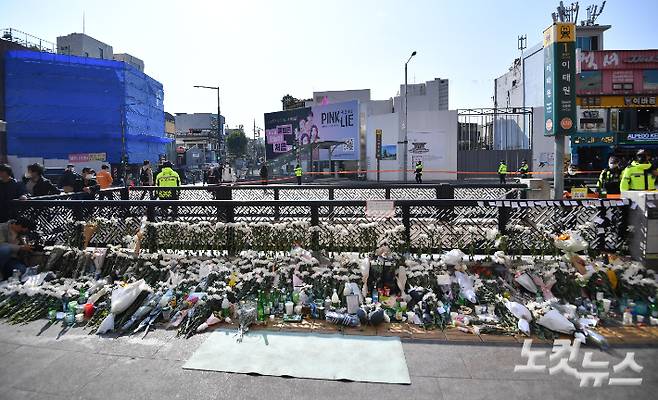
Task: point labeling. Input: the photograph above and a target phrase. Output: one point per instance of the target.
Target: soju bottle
(260, 307)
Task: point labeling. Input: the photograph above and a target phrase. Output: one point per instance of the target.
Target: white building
(428, 96)
(79, 44)
(432, 131)
(523, 86)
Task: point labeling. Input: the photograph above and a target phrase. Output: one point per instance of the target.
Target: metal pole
(406, 143)
(219, 129)
(124, 163)
(558, 174)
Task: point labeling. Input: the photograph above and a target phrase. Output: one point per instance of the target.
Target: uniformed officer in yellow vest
(640, 174)
(298, 174)
(610, 178)
(419, 172)
(167, 178)
(502, 171)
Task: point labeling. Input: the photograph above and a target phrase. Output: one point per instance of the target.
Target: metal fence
(319, 192)
(332, 225)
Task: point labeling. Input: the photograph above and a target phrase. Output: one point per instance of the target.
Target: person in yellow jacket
(167, 178)
(639, 175)
(502, 171)
(298, 174)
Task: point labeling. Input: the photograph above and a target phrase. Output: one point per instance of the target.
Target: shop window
(628, 119)
(647, 120)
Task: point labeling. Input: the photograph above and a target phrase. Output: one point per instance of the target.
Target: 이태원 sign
(560, 79)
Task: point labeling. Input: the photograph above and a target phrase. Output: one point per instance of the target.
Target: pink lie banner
(86, 157)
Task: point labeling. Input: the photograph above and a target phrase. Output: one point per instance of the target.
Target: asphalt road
(81, 366)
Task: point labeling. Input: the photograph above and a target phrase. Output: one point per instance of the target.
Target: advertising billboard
(299, 127)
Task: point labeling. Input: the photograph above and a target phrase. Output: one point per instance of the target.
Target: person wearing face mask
(36, 184)
(86, 186)
(640, 174)
(609, 180)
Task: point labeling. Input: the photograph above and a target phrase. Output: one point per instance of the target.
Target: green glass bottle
(260, 307)
(653, 308)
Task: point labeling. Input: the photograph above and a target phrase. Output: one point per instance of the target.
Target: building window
(100, 52)
(616, 86)
(594, 43)
(650, 79)
(584, 43)
(628, 86)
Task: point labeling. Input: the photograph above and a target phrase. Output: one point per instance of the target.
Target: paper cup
(289, 307)
(606, 305)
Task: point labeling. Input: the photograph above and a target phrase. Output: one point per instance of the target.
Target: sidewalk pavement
(36, 365)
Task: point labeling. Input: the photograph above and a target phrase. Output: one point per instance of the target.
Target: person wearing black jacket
(9, 190)
(86, 187)
(68, 178)
(263, 174)
(36, 184)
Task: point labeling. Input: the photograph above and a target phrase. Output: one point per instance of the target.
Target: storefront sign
(638, 138)
(616, 101)
(625, 76)
(618, 59)
(86, 157)
(560, 79)
(640, 100)
(592, 139)
(592, 120)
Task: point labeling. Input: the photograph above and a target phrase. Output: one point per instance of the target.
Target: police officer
(419, 172)
(640, 174)
(167, 178)
(524, 170)
(610, 178)
(298, 174)
(502, 171)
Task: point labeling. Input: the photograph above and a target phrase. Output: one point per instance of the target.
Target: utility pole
(406, 138)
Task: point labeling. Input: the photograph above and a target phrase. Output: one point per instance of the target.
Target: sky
(258, 51)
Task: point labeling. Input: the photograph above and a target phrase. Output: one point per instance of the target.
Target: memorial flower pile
(131, 290)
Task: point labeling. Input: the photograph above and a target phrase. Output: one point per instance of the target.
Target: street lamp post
(219, 113)
(406, 139)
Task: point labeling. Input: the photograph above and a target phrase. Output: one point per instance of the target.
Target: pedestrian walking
(263, 174)
(298, 174)
(640, 175)
(419, 172)
(146, 178)
(35, 183)
(502, 171)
